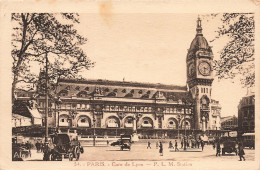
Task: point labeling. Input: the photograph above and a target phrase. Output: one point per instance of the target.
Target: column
(134, 125)
(203, 124)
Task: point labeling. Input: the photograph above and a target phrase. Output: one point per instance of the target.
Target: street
(139, 152)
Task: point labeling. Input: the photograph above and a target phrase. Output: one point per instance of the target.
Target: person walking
(218, 149)
(181, 143)
(149, 145)
(161, 149)
(176, 146)
(241, 152)
(170, 144)
(202, 144)
(37, 145)
(157, 145)
(41, 146)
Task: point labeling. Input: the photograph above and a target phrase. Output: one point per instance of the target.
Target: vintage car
(125, 142)
(62, 146)
(19, 151)
(118, 142)
(229, 146)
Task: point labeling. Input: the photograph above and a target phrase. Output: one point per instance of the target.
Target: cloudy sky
(151, 48)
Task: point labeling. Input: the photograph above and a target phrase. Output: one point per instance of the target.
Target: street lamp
(178, 126)
(45, 157)
(185, 137)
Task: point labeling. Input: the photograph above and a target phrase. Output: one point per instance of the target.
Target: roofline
(124, 83)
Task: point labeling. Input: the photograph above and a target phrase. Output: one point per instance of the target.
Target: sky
(151, 48)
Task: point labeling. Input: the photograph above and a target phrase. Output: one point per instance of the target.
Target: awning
(21, 108)
(35, 113)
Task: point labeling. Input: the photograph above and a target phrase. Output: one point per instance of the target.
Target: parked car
(229, 146)
(118, 142)
(61, 145)
(125, 142)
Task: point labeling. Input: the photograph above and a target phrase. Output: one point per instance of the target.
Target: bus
(248, 140)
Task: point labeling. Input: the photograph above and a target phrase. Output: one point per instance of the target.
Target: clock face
(191, 70)
(204, 68)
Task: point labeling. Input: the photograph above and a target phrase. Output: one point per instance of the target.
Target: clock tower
(200, 77)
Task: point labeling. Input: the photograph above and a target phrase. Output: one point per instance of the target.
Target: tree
(36, 36)
(237, 56)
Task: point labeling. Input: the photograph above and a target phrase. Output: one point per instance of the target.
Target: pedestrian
(170, 144)
(241, 152)
(198, 143)
(181, 143)
(202, 145)
(41, 146)
(218, 149)
(188, 143)
(37, 145)
(176, 146)
(161, 149)
(157, 145)
(149, 145)
(107, 142)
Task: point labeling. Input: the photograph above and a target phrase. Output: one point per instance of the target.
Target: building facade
(229, 123)
(151, 110)
(246, 114)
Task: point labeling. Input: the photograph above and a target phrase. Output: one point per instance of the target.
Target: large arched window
(84, 121)
(129, 123)
(113, 122)
(187, 124)
(172, 123)
(147, 122)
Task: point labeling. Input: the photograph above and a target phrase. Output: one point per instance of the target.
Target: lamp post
(45, 157)
(185, 137)
(178, 126)
(94, 120)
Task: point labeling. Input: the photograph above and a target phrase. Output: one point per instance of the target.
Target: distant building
(246, 114)
(216, 115)
(229, 123)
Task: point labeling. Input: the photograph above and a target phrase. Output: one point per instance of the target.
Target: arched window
(112, 122)
(172, 123)
(63, 93)
(83, 121)
(129, 122)
(82, 94)
(147, 122)
(187, 124)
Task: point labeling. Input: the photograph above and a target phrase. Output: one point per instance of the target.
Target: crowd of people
(39, 146)
(196, 144)
(184, 144)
